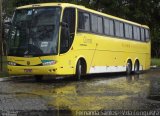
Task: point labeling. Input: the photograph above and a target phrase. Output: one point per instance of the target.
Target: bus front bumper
(35, 70)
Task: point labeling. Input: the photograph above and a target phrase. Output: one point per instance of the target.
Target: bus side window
(94, 23)
(136, 31)
(147, 35)
(142, 35)
(100, 25)
(106, 26)
(121, 27)
(128, 31)
(126, 27)
(68, 29)
(117, 28)
(111, 27)
(83, 21)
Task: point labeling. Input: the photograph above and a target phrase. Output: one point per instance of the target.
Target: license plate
(28, 70)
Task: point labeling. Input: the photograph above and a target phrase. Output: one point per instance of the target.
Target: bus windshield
(34, 32)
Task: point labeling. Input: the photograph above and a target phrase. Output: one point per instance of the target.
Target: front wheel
(79, 70)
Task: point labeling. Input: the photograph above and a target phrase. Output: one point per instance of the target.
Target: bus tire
(136, 67)
(80, 69)
(129, 67)
(38, 78)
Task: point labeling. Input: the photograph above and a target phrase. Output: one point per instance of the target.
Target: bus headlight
(12, 63)
(48, 62)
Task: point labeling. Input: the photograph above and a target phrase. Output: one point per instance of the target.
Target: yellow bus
(68, 39)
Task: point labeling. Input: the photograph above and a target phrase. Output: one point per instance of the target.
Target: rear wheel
(136, 67)
(38, 78)
(129, 67)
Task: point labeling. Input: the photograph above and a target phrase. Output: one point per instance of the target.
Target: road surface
(94, 92)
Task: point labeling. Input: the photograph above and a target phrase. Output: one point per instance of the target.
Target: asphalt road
(65, 96)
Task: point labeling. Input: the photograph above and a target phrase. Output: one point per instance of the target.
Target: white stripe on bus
(103, 69)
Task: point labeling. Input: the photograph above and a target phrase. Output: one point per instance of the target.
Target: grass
(155, 62)
(4, 73)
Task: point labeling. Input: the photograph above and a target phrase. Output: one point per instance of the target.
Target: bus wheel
(136, 67)
(129, 67)
(80, 69)
(38, 78)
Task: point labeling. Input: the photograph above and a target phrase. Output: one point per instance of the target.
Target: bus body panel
(110, 55)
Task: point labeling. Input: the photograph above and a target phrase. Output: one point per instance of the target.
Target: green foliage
(155, 62)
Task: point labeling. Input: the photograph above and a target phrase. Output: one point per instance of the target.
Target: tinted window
(111, 27)
(142, 34)
(128, 31)
(106, 27)
(68, 30)
(121, 30)
(94, 22)
(83, 21)
(69, 18)
(34, 28)
(100, 25)
(136, 31)
(117, 28)
(147, 34)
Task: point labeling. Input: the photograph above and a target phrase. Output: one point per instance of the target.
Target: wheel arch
(136, 60)
(129, 59)
(84, 62)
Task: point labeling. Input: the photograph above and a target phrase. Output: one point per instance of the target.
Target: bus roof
(82, 8)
